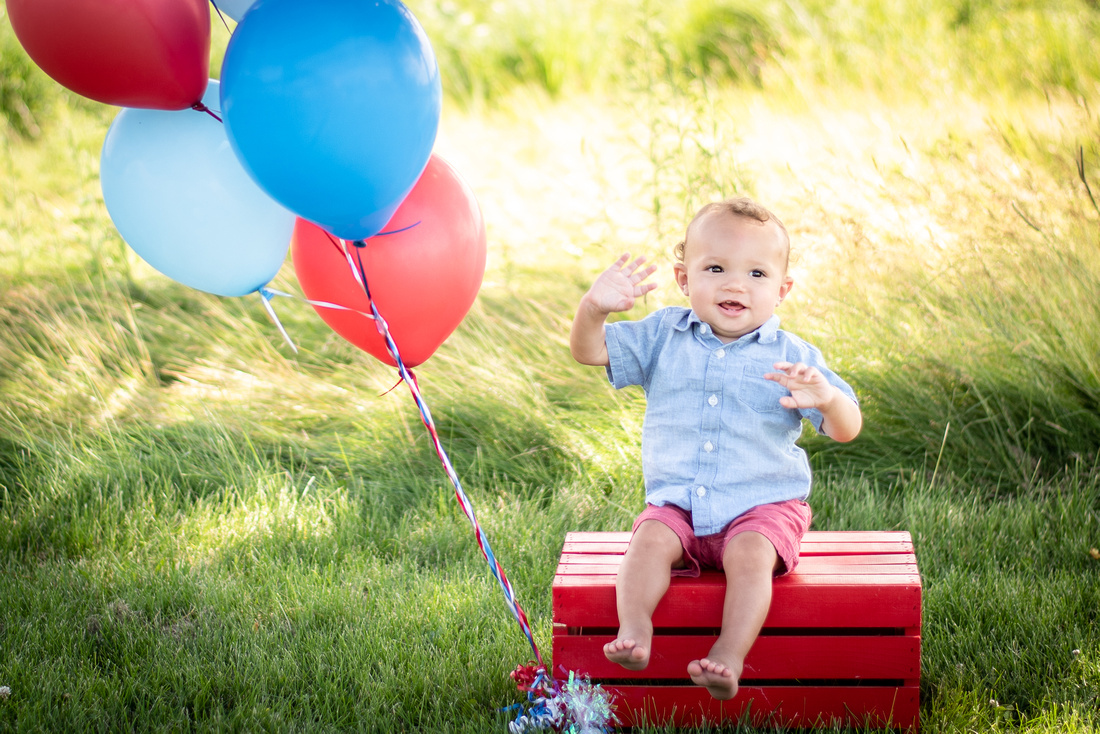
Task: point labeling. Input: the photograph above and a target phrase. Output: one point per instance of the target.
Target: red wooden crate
(841, 642)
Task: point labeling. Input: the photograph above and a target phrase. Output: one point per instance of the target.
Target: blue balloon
(333, 107)
(180, 198)
(235, 9)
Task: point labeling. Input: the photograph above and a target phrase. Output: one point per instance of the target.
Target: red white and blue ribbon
(355, 261)
(574, 705)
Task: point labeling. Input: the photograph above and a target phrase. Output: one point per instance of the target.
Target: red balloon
(153, 54)
(423, 269)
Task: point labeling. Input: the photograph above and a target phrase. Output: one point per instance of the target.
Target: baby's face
(734, 272)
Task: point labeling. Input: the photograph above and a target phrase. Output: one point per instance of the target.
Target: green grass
(201, 530)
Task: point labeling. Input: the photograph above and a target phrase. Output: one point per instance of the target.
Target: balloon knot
(200, 107)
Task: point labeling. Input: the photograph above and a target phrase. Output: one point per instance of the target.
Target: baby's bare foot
(715, 676)
(627, 652)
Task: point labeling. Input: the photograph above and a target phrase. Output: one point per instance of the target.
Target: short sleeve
(632, 347)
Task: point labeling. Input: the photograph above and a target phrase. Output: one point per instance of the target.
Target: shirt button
(713, 400)
(701, 491)
(720, 353)
(708, 447)
(704, 329)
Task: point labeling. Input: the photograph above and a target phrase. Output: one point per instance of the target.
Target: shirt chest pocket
(758, 393)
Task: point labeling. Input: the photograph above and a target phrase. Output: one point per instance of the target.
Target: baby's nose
(734, 283)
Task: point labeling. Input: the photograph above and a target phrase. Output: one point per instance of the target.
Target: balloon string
(200, 107)
(338, 243)
(220, 14)
(398, 231)
(265, 296)
(425, 415)
(271, 293)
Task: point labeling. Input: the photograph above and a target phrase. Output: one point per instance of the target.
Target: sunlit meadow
(203, 530)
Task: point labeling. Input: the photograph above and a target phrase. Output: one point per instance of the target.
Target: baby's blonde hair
(740, 206)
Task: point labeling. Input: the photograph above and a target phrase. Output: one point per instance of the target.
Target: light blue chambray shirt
(715, 439)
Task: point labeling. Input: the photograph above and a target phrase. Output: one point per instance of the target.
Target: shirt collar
(767, 333)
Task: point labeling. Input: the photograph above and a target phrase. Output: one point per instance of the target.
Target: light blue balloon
(333, 107)
(235, 9)
(180, 198)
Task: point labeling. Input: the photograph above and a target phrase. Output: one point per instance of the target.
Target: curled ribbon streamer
(265, 296)
(356, 264)
(574, 705)
(269, 293)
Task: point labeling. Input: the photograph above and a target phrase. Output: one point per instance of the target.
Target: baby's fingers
(792, 370)
(630, 268)
(799, 372)
(618, 264)
(638, 276)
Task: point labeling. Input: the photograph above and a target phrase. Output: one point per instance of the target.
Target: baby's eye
(758, 274)
(714, 269)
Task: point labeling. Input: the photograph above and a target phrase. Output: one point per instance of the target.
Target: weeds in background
(932, 46)
(992, 329)
(486, 50)
(686, 129)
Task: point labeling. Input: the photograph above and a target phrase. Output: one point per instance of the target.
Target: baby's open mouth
(732, 306)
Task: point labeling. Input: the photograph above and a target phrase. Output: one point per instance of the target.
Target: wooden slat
(808, 549)
(814, 543)
(845, 548)
(610, 571)
(770, 706)
(797, 601)
(581, 564)
(884, 562)
(857, 536)
(772, 657)
(608, 546)
(831, 536)
(876, 559)
(581, 536)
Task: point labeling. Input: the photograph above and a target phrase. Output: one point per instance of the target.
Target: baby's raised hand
(809, 388)
(617, 287)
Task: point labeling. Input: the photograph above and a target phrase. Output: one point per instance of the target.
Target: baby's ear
(681, 276)
(785, 288)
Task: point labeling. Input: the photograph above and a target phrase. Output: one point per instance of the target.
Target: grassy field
(202, 531)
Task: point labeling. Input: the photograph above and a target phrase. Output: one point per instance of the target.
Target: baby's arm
(614, 290)
(810, 389)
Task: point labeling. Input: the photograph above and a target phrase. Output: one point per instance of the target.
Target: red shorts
(782, 523)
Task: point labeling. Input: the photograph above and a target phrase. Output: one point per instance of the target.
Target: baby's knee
(654, 537)
(750, 551)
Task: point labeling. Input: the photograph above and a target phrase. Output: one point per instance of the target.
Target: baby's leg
(750, 561)
(643, 579)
